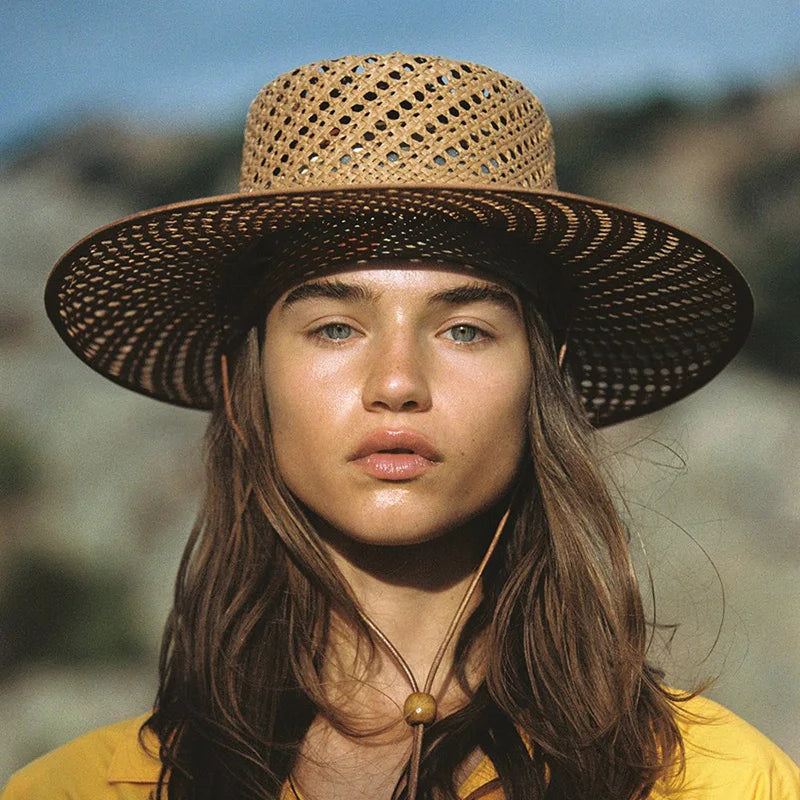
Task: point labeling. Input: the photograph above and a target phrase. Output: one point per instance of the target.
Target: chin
(399, 526)
(395, 535)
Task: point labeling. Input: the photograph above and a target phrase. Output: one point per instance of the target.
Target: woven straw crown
(396, 120)
(412, 158)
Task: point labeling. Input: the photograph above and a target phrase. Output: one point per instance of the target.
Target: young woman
(408, 578)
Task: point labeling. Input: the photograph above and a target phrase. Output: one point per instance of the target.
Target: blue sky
(182, 61)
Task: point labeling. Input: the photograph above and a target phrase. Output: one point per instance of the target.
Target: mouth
(396, 455)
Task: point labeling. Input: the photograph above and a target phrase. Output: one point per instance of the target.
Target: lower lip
(395, 466)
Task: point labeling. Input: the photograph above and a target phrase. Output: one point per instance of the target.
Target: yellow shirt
(726, 759)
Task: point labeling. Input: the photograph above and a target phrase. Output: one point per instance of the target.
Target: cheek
(305, 412)
(498, 424)
(285, 415)
(485, 414)
(494, 398)
(294, 421)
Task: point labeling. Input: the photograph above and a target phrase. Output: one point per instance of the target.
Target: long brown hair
(569, 707)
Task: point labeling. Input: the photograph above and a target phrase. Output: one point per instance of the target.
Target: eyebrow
(477, 293)
(356, 292)
(332, 290)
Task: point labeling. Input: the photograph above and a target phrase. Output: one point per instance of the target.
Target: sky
(201, 62)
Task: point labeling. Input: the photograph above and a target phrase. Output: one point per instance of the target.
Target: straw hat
(409, 158)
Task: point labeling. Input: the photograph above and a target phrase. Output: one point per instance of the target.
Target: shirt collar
(135, 761)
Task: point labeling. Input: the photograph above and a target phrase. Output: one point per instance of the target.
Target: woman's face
(397, 398)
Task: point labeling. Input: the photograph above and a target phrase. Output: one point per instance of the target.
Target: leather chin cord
(419, 708)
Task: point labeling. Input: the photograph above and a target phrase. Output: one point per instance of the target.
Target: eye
(335, 331)
(466, 334)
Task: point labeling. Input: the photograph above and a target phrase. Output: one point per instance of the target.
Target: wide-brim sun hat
(408, 159)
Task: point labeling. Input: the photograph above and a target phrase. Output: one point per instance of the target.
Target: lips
(396, 455)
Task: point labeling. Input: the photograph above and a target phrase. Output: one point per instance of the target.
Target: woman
(408, 578)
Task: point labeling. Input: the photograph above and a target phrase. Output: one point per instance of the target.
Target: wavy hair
(568, 706)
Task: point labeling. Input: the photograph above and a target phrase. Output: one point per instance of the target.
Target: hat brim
(655, 311)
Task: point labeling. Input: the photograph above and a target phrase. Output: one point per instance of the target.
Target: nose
(397, 375)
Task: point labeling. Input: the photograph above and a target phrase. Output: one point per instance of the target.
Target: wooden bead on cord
(419, 708)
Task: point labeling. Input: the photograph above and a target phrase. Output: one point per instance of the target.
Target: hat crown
(396, 119)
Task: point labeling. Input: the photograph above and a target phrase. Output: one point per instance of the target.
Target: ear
(562, 352)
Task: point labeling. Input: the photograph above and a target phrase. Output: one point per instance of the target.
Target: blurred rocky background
(98, 487)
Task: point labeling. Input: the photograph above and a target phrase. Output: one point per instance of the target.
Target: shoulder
(728, 759)
(108, 763)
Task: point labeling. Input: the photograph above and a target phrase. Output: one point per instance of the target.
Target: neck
(411, 593)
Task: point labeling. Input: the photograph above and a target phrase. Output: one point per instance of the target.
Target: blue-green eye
(335, 331)
(464, 333)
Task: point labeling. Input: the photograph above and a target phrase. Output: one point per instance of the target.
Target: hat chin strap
(419, 709)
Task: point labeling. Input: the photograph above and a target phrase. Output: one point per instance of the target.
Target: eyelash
(318, 332)
(481, 335)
